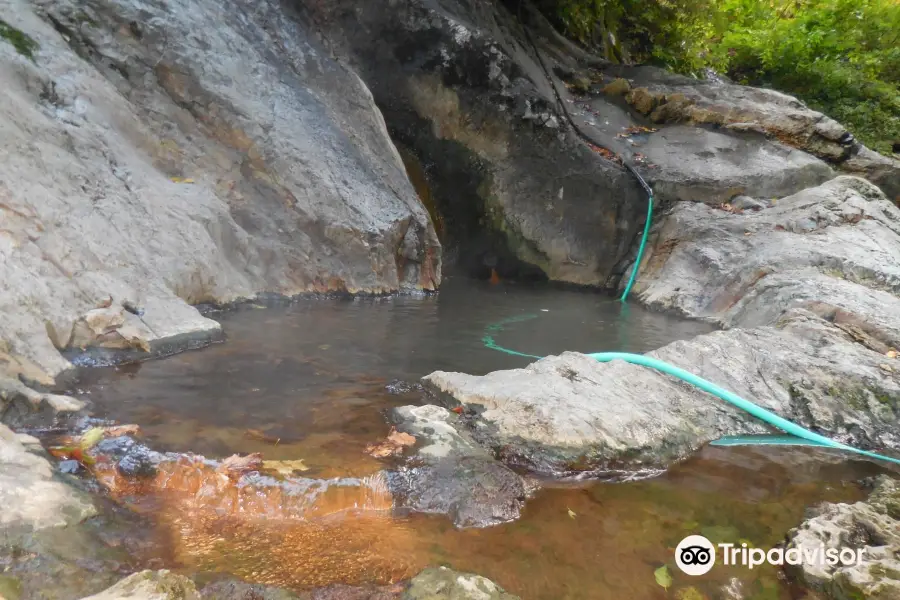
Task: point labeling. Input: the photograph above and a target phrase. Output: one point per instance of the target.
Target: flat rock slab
(570, 414)
(151, 585)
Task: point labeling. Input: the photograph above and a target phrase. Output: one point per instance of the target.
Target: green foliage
(842, 57)
(23, 44)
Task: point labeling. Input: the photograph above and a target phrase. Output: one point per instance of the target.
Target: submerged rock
(873, 527)
(151, 585)
(451, 474)
(442, 583)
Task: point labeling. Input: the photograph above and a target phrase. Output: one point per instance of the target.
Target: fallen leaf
(234, 466)
(181, 180)
(91, 438)
(285, 467)
(256, 434)
(457, 409)
(572, 513)
(120, 430)
(393, 445)
(885, 367)
(891, 353)
(663, 577)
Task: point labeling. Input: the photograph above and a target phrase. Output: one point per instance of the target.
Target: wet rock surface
(446, 584)
(164, 155)
(452, 474)
(873, 527)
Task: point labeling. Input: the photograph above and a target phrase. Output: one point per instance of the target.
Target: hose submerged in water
(755, 410)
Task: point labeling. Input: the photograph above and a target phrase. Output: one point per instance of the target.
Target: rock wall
(159, 154)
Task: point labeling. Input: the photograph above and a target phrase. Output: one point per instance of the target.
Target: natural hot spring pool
(313, 374)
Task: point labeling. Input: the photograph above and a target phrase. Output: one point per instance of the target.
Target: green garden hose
(755, 410)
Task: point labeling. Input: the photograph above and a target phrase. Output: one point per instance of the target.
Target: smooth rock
(451, 474)
(442, 583)
(151, 585)
(31, 498)
(873, 527)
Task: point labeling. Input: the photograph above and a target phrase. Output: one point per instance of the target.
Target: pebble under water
(312, 380)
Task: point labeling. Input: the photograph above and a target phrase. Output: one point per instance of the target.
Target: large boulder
(161, 154)
(872, 527)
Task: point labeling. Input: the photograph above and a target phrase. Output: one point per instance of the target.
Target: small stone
(747, 203)
(70, 467)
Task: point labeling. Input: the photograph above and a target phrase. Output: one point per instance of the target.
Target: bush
(842, 57)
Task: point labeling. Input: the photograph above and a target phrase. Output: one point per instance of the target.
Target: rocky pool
(313, 381)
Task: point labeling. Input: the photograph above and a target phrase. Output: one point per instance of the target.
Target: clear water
(308, 380)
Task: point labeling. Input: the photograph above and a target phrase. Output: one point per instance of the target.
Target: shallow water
(308, 381)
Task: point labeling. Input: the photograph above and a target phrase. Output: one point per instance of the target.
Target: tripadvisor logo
(696, 555)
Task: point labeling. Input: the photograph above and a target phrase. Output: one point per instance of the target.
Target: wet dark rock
(139, 461)
(451, 474)
(442, 583)
(872, 526)
(398, 387)
(23, 407)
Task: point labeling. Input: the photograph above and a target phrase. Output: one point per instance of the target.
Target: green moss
(10, 588)
(23, 44)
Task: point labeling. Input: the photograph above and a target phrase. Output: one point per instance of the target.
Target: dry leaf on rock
(393, 445)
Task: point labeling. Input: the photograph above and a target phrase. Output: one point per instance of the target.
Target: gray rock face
(451, 474)
(151, 585)
(668, 98)
(462, 88)
(158, 154)
(446, 584)
(872, 526)
(837, 244)
(22, 406)
(31, 498)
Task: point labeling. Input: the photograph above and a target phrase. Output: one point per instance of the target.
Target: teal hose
(757, 411)
(640, 254)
